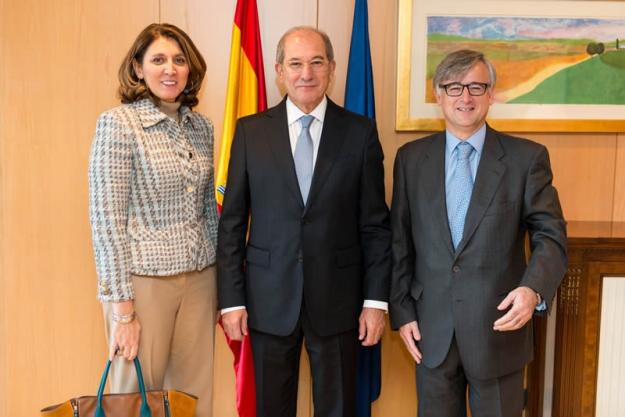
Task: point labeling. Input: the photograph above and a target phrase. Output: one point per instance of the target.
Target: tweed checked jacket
(151, 196)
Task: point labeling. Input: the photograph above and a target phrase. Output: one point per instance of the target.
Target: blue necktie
(303, 156)
(461, 186)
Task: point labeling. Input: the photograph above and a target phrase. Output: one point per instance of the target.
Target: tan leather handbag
(165, 403)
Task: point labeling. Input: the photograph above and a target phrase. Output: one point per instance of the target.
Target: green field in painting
(599, 80)
(440, 45)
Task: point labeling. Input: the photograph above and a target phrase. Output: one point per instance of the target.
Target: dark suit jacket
(342, 235)
(449, 291)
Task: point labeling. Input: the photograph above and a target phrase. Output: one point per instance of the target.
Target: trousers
(177, 316)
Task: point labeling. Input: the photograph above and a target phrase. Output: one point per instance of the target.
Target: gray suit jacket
(456, 292)
(151, 196)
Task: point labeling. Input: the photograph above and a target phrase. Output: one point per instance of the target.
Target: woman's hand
(125, 340)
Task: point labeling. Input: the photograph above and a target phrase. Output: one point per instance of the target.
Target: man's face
(465, 114)
(306, 71)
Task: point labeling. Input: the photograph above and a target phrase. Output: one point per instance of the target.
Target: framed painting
(560, 64)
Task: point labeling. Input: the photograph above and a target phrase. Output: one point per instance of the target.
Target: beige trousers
(177, 316)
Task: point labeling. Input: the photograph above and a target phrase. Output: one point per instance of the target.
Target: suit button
(456, 268)
(300, 259)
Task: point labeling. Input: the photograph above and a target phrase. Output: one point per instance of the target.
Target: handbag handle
(145, 410)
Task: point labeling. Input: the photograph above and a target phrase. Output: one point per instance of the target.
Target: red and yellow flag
(245, 95)
(246, 82)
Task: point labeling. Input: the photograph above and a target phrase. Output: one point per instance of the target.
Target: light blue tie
(303, 156)
(461, 186)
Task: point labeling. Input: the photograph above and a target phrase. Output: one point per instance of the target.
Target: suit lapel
(434, 186)
(331, 142)
(278, 138)
(489, 174)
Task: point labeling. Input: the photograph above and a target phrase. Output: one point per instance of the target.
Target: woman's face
(164, 69)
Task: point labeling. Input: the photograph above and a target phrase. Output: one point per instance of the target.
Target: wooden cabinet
(578, 320)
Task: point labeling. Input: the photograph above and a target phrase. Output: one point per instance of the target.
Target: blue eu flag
(359, 99)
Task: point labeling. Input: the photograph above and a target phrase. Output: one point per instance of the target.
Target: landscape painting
(538, 60)
(560, 64)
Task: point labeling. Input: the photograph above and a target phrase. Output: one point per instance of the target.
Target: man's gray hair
(457, 64)
(324, 37)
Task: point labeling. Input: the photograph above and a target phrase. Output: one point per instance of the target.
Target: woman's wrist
(123, 308)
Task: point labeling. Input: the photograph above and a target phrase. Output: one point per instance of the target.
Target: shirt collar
(150, 115)
(476, 140)
(293, 113)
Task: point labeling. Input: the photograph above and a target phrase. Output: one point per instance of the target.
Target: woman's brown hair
(131, 88)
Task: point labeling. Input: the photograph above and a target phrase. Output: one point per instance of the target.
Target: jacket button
(300, 259)
(190, 189)
(456, 268)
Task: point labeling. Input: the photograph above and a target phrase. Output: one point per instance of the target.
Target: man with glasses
(316, 266)
(462, 293)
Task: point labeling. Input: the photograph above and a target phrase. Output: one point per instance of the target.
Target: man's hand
(410, 334)
(370, 326)
(235, 324)
(523, 301)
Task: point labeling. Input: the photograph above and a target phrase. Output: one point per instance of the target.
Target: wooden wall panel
(619, 181)
(398, 397)
(335, 18)
(3, 248)
(224, 394)
(584, 169)
(58, 67)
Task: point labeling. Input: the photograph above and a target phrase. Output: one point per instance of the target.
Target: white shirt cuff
(229, 309)
(380, 305)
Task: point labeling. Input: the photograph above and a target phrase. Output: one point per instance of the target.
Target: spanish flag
(246, 82)
(245, 95)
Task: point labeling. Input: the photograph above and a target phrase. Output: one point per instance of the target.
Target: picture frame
(415, 113)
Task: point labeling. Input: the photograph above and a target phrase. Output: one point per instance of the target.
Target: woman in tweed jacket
(154, 219)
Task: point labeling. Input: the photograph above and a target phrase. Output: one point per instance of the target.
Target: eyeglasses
(456, 89)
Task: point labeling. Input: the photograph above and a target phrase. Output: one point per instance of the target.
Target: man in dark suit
(462, 293)
(316, 266)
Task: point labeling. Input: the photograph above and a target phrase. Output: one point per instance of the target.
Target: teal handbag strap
(145, 410)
